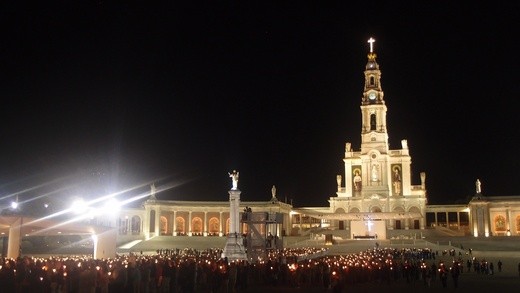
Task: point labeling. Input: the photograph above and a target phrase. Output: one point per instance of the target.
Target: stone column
(422, 220)
(487, 221)
(475, 220)
(509, 222)
(458, 221)
(221, 226)
(189, 224)
(174, 223)
(157, 222)
(145, 223)
(470, 220)
(205, 233)
(170, 224)
(287, 224)
(234, 249)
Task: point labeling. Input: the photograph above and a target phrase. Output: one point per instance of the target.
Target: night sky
(99, 96)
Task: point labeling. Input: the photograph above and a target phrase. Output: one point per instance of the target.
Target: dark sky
(102, 95)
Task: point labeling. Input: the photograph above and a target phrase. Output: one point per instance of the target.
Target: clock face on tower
(372, 96)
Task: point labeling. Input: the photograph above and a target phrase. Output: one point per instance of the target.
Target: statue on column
(478, 185)
(234, 180)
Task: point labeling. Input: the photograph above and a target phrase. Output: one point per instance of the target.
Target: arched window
(164, 226)
(399, 210)
(196, 226)
(181, 227)
(414, 209)
(375, 209)
(500, 223)
(214, 226)
(371, 80)
(136, 225)
(373, 121)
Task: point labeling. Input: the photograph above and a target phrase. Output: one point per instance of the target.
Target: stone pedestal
(15, 239)
(234, 249)
(105, 244)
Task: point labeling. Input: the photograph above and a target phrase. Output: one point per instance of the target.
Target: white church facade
(375, 195)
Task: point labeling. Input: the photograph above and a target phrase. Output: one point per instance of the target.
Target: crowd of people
(192, 270)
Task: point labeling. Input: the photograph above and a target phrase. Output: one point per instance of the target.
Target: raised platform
(365, 237)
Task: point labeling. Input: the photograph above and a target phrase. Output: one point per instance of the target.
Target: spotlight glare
(112, 206)
(79, 206)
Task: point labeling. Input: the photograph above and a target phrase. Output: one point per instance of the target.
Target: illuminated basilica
(375, 198)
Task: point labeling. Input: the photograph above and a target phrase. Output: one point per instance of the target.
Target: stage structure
(263, 232)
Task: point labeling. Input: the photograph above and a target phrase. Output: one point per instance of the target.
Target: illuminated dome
(372, 64)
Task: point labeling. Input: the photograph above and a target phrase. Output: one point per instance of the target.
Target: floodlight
(79, 206)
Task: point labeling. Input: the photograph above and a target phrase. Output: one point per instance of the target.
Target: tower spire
(374, 133)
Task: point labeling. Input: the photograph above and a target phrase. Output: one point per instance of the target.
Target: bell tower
(378, 182)
(368, 171)
(374, 135)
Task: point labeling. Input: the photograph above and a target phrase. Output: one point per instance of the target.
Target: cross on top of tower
(371, 42)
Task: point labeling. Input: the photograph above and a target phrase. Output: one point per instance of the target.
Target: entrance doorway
(398, 224)
(342, 225)
(416, 224)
